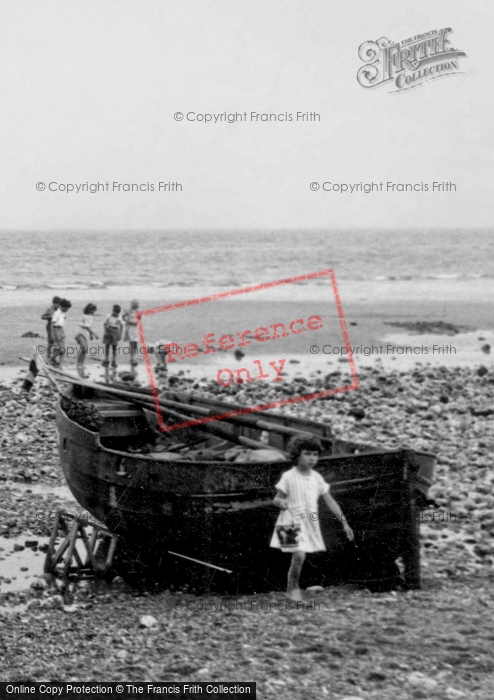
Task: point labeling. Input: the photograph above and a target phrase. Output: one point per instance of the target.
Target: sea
(91, 260)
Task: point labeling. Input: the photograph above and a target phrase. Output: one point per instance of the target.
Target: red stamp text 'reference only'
(212, 343)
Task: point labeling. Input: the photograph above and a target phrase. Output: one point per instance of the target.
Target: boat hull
(222, 514)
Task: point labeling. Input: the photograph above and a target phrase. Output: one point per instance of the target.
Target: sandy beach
(373, 312)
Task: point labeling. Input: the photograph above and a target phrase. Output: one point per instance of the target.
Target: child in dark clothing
(47, 316)
(113, 332)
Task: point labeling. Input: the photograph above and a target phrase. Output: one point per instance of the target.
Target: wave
(223, 259)
(193, 282)
(79, 285)
(410, 278)
(54, 287)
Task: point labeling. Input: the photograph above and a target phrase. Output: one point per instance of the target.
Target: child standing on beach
(161, 350)
(47, 316)
(81, 338)
(297, 495)
(113, 332)
(131, 334)
(58, 332)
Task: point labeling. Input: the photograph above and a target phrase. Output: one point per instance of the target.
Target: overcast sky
(89, 91)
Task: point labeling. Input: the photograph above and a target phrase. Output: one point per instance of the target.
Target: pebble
(28, 440)
(70, 608)
(38, 585)
(421, 681)
(148, 621)
(454, 693)
(358, 413)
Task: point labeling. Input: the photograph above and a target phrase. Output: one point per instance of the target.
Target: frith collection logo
(408, 63)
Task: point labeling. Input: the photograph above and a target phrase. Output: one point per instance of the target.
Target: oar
(247, 420)
(209, 427)
(145, 401)
(168, 405)
(198, 561)
(242, 419)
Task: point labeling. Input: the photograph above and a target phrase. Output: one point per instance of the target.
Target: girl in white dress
(297, 495)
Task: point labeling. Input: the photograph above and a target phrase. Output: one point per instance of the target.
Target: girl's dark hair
(304, 441)
(89, 309)
(65, 304)
(56, 300)
(117, 309)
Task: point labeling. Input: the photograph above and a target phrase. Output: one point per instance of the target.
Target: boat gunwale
(274, 414)
(210, 463)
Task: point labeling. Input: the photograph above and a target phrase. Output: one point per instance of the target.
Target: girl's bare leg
(81, 358)
(294, 572)
(133, 352)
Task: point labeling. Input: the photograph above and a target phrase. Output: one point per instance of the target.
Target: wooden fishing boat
(194, 506)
